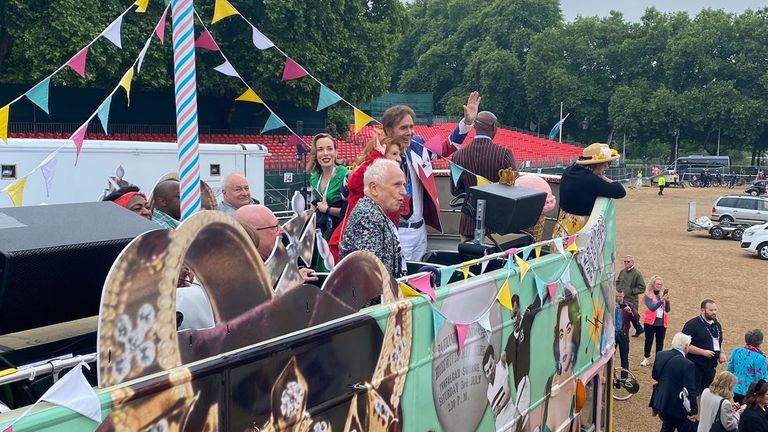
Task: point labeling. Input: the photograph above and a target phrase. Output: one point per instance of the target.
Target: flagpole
(561, 123)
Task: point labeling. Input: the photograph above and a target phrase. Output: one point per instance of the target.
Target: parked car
(740, 209)
(757, 188)
(755, 240)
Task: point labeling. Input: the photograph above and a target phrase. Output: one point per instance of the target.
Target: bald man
(236, 193)
(482, 157)
(166, 209)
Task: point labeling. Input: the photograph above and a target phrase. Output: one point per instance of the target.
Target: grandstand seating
(529, 150)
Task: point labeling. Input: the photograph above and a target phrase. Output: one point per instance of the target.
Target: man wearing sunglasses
(630, 280)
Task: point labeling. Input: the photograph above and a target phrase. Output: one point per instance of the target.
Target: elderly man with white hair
(674, 398)
(236, 193)
(368, 227)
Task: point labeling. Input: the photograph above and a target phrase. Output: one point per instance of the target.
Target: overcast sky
(633, 9)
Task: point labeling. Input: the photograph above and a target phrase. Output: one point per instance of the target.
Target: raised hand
(379, 147)
(471, 108)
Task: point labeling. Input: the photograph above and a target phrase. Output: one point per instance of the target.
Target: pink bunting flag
(511, 251)
(552, 289)
(435, 144)
(293, 70)
(571, 239)
(295, 140)
(78, 137)
(77, 62)
(205, 41)
(424, 285)
(160, 28)
(461, 334)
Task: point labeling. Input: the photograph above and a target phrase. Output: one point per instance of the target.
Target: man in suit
(481, 157)
(675, 395)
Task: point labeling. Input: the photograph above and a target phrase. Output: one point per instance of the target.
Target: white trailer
(144, 163)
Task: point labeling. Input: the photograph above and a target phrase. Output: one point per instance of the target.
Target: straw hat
(597, 153)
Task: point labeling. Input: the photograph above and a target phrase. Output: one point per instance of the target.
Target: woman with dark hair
(326, 178)
(755, 418)
(748, 364)
(559, 406)
(131, 198)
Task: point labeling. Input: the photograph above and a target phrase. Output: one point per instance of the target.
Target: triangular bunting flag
(15, 190)
(223, 9)
(571, 238)
(537, 251)
(445, 275)
(295, 140)
(526, 253)
(39, 94)
(77, 138)
(552, 290)
(523, 266)
(461, 334)
(141, 6)
(77, 63)
(73, 391)
(435, 144)
(505, 295)
(572, 248)
(511, 251)
(483, 266)
(424, 285)
(142, 54)
(465, 272)
(226, 69)
(160, 28)
(565, 278)
(361, 119)
(205, 41)
(327, 98)
(482, 181)
(103, 113)
(438, 320)
(559, 244)
(485, 321)
(4, 114)
(273, 122)
(456, 172)
(293, 70)
(112, 32)
(540, 286)
(48, 168)
(408, 291)
(250, 96)
(125, 83)
(260, 41)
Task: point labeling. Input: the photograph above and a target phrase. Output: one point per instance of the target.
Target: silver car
(740, 209)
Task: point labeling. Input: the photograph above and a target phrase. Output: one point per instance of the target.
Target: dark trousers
(671, 424)
(661, 190)
(622, 341)
(636, 324)
(651, 332)
(704, 377)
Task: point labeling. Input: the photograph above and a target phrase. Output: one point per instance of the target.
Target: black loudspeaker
(54, 260)
(508, 209)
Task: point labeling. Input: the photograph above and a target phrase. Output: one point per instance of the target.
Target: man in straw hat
(581, 184)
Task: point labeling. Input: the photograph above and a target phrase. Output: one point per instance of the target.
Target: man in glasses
(481, 157)
(630, 280)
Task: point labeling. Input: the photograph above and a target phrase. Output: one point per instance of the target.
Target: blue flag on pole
(556, 128)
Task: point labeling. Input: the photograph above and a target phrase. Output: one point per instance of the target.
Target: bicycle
(624, 388)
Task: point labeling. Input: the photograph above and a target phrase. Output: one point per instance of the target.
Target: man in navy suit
(675, 395)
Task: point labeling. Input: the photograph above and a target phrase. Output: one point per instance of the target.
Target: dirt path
(694, 267)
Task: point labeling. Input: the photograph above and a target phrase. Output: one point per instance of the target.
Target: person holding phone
(656, 318)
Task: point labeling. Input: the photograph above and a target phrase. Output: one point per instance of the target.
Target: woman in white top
(719, 398)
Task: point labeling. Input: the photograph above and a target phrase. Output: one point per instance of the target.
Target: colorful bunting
(482, 181)
(571, 238)
(438, 320)
(461, 334)
(424, 285)
(295, 140)
(511, 251)
(39, 94)
(142, 54)
(260, 41)
(505, 295)
(160, 28)
(226, 69)
(559, 245)
(48, 168)
(540, 286)
(456, 171)
(125, 82)
(141, 6)
(523, 266)
(250, 96)
(537, 251)
(565, 278)
(552, 290)
(408, 291)
(205, 41)
(77, 62)
(465, 272)
(361, 119)
(223, 9)
(483, 266)
(485, 321)
(327, 98)
(572, 248)
(273, 122)
(526, 253)
(15, 190)
(4, 113)
(77, 138)
(103, 112)
(112, 32)
(293, 70)
(445, 275)
(435, 144)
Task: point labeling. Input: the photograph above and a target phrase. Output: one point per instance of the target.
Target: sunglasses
(627, 262)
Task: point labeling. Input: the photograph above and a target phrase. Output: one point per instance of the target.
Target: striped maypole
(186, 105)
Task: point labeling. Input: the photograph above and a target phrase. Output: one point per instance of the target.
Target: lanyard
(714, 324)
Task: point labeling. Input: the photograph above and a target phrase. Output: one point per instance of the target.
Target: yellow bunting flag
(408, 291)
(125, 82)
(537, 251)
(4, 111)
(141, 6)
(250, 96)
(505, 296)
(223, 9)
(15, 190)
(572, 248)
(465, 271)
(523, 266)
(361, 119)
(482, 181)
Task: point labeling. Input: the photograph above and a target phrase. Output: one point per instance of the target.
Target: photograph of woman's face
(565, 339)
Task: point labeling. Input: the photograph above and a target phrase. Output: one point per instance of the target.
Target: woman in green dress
(326, 179)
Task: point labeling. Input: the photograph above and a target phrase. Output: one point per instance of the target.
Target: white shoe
(646, 362)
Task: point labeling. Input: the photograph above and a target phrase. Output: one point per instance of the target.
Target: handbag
(717, 426)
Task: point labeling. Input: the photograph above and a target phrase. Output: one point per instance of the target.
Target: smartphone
(666, 291)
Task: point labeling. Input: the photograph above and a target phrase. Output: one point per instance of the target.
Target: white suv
(755, 240)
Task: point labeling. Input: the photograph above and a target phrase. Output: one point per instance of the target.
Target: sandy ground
(694, 267)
